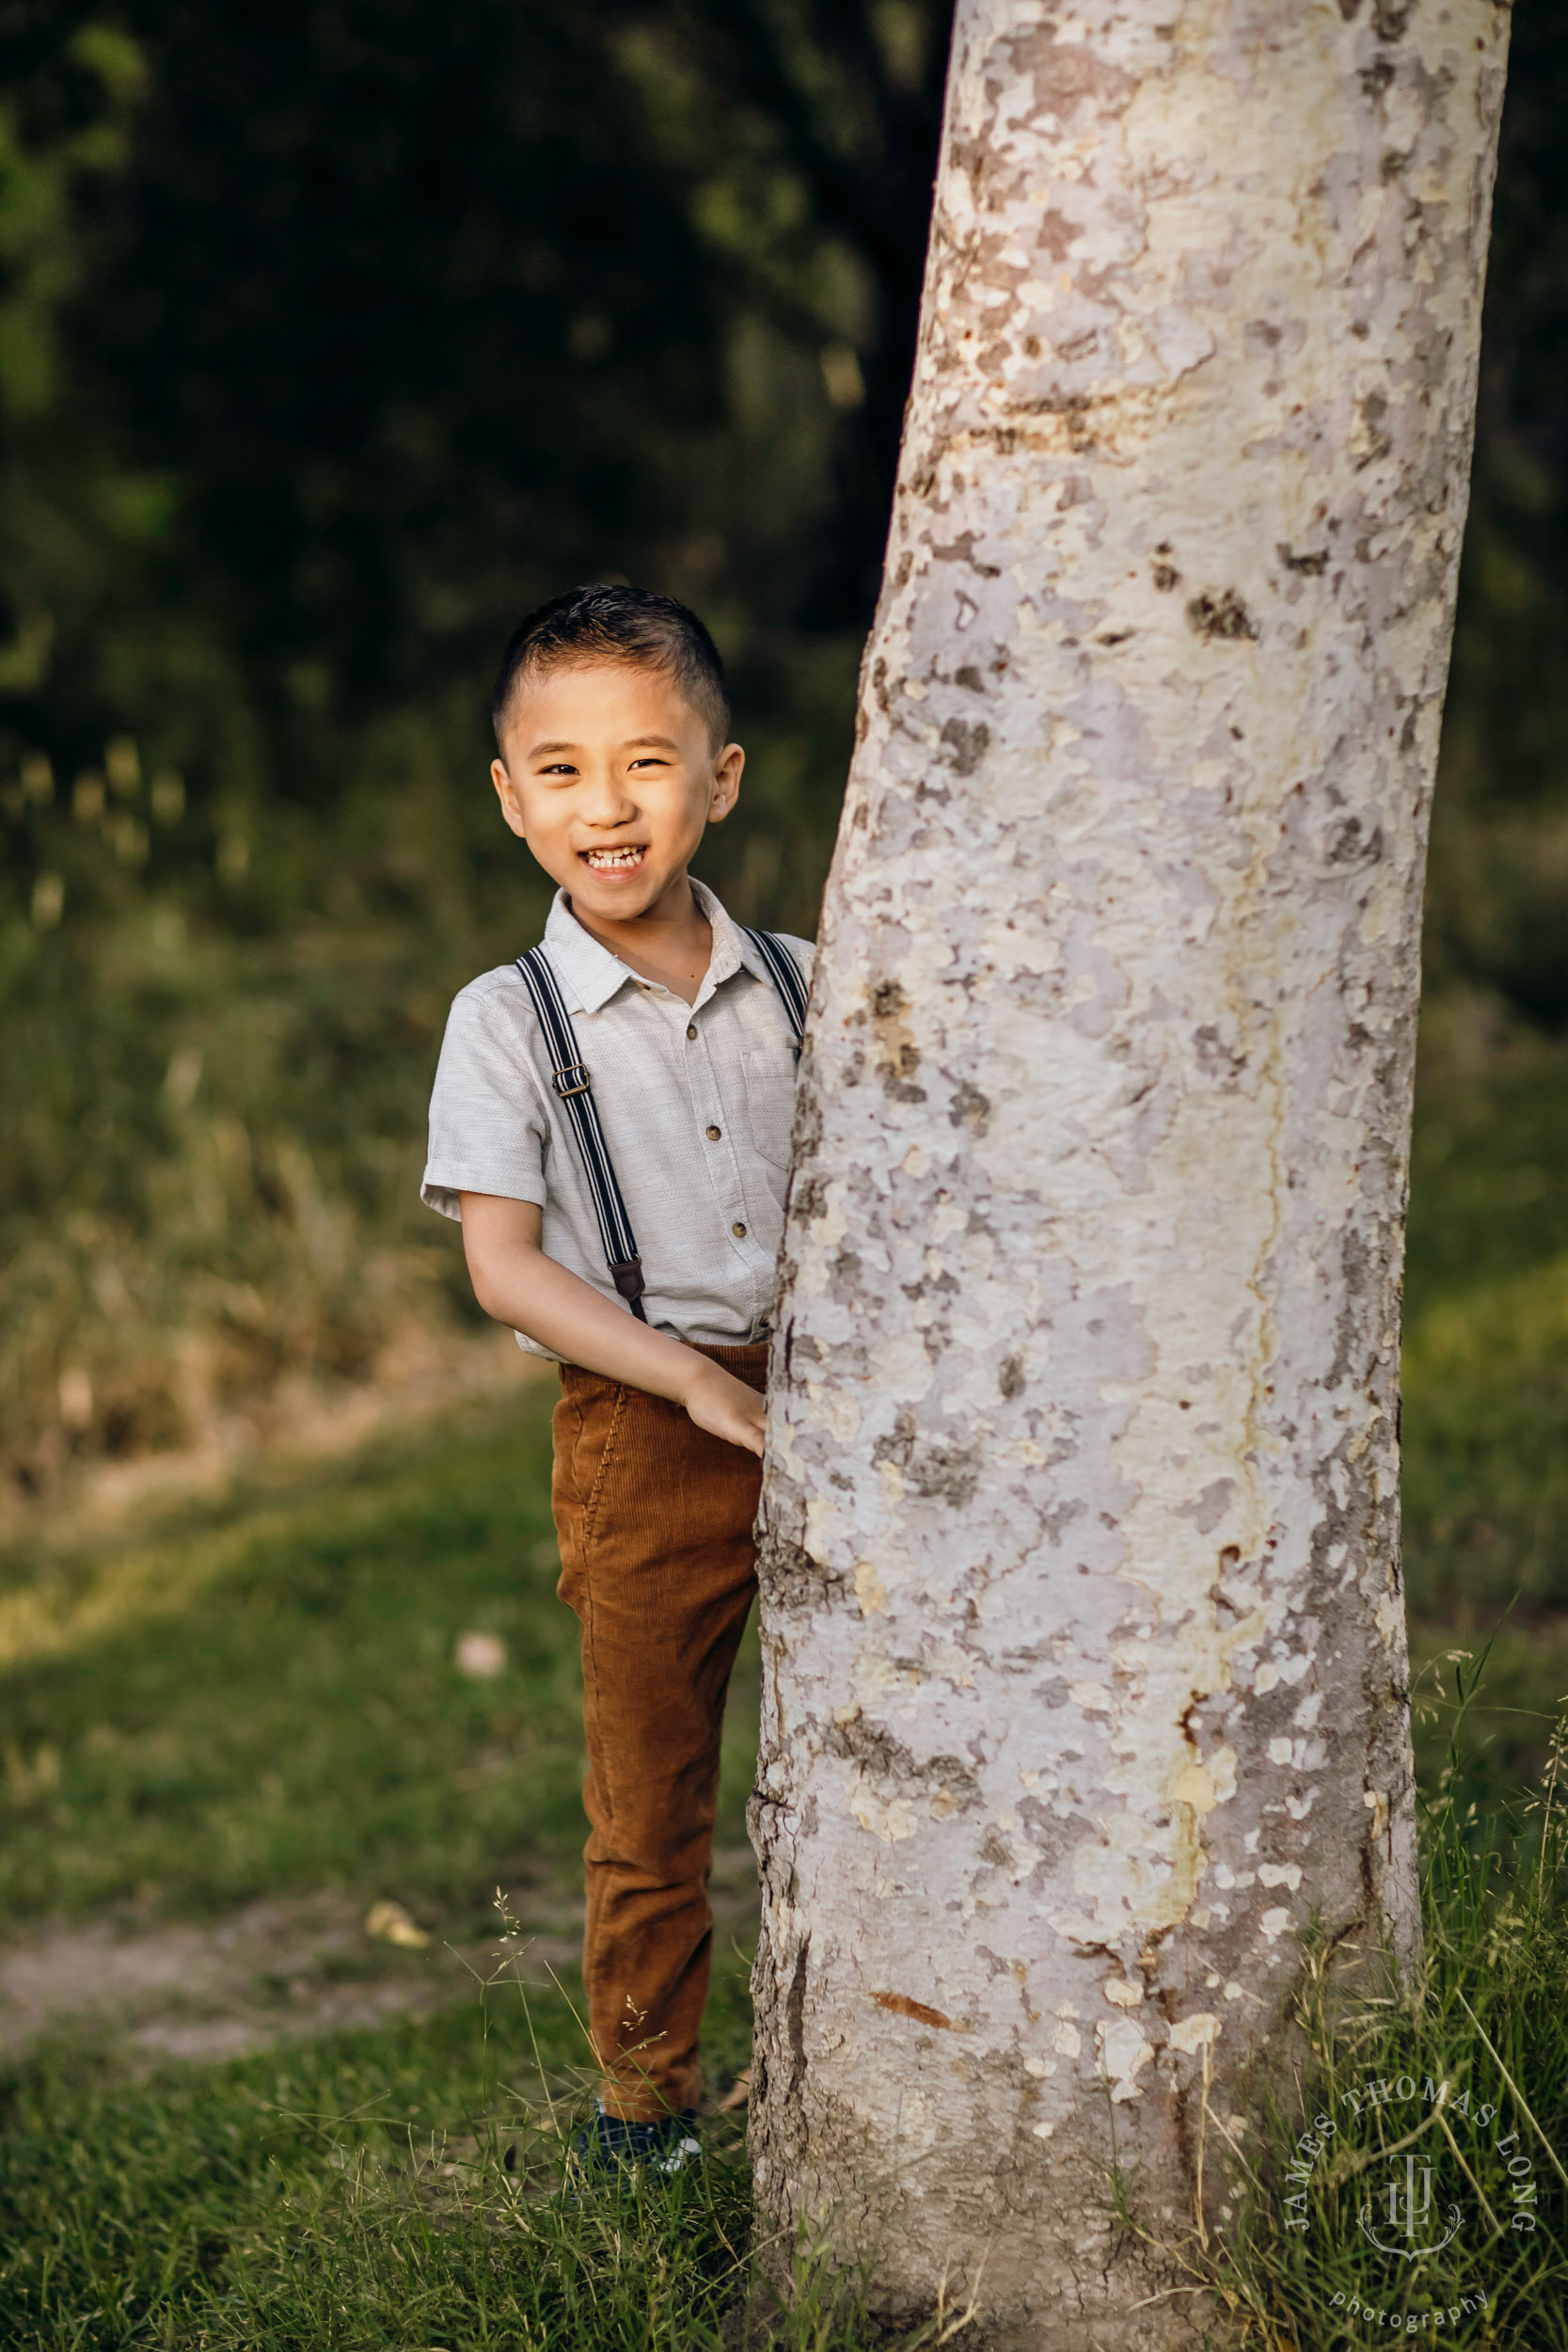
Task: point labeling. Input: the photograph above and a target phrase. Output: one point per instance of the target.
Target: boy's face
(610, 776)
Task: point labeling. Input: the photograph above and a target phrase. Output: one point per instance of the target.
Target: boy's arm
(516, 1282)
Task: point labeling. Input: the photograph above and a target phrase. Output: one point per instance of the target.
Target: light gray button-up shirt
(696, 1103)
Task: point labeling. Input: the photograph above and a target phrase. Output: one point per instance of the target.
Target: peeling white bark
(1086, 1677)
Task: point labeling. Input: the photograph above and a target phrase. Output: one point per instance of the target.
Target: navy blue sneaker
(608, 2145)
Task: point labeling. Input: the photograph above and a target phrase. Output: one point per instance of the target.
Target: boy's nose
(609, 801)
(608, 807)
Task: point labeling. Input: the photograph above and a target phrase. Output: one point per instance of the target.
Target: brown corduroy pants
(654, 1517)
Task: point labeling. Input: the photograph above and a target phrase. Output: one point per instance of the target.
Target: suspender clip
(627, 1278)
(572, 1085)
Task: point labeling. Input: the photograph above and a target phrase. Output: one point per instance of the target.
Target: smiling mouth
(622, 861)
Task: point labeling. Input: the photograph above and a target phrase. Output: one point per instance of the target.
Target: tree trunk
(1085, 1654)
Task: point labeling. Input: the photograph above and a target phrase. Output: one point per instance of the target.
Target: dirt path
(281, 1970)
(293, 1965)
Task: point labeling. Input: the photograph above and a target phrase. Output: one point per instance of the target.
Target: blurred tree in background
(333, 335)
(342, 333)
(1497, 910)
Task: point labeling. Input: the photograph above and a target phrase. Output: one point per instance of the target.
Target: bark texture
(1085, 1652)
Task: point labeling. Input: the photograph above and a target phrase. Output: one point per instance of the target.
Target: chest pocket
(770, 1100)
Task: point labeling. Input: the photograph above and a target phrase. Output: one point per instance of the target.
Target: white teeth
(615, 857)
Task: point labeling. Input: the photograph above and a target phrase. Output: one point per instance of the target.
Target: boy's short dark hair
(629, 624)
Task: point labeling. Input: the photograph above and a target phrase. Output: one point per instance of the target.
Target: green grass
(1462, 2066)
(402, 2189)
(258, 1698)
(413, 2188)
(1486, 1390)
(1487, 1357)
(352, 2193)
(356, 2193)
(265, 1696)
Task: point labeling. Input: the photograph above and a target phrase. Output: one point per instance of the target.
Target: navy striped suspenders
(784, 972)
(575, 1089)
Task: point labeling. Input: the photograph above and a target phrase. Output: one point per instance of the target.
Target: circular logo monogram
(1427, 2187)
(1397, 2220)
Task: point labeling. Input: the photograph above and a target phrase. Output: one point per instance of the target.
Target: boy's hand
(516, 1282)
(724, 1407)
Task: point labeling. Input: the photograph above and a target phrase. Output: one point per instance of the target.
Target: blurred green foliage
(1486, 1406)
(1497, 901)
(331, 336)
(339, 333)
(1487, 1342)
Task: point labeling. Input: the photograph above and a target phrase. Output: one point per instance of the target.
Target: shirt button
(713, 1134)
(691, 1028)
(739, 1231)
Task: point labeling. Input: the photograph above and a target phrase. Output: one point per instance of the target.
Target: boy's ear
(726, 782)
(506, 792)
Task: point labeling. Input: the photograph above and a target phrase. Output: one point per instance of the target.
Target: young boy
(680, 1029)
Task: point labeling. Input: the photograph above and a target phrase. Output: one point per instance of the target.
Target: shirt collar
(590, 974)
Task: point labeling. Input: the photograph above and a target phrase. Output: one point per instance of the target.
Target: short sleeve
(489, 1131)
